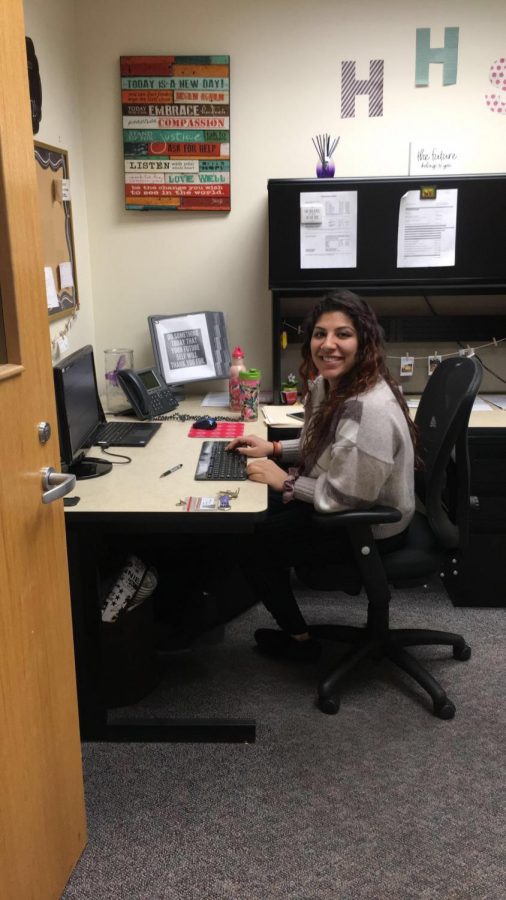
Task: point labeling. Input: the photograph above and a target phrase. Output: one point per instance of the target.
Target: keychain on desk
(224, 498)
(197, 504)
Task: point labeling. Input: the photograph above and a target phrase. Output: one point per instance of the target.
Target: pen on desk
(170, 471)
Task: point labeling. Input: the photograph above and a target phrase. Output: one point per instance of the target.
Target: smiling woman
(356, 450)
(334, 346)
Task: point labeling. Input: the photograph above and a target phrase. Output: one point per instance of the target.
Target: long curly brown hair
(370, 366)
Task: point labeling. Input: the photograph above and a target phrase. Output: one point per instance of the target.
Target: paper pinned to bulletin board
(56, 230)
(176, 132)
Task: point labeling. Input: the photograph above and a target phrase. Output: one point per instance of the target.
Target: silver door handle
(64, 484)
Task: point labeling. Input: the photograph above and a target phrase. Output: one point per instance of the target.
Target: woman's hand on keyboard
(251, 445)
(267, 472)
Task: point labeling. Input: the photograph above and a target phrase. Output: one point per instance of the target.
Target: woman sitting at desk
(356, 450)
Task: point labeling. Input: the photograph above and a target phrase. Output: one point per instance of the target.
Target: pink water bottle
(236, 367)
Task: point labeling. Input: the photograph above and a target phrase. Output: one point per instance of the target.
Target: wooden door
(42, 819)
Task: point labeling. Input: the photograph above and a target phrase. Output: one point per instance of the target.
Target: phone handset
(147, 392)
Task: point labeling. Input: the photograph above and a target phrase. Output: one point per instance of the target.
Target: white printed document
(497, 399)
(328, 230)
(480, 403)
(427, 230)
(283, 415)
(51, 294)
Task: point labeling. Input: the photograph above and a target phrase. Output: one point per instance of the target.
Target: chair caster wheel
(328, 705)
(462, 653)
(445, 709)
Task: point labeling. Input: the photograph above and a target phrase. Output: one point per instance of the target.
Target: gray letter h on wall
(352, 86)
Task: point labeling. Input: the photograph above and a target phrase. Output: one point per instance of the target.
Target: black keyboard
(217, 464)
(111, 431)
(124, 434)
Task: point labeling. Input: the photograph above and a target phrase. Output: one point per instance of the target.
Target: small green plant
(291, 383)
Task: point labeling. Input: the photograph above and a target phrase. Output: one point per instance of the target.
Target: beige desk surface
(138, 488)
(279, 417)
(494, 419)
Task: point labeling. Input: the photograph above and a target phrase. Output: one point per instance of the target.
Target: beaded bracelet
(277, 449)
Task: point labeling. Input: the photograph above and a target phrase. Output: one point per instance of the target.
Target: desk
(478, 580)
(133, 498)
(281, 417)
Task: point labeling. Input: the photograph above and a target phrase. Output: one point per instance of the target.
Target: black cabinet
(478, 577)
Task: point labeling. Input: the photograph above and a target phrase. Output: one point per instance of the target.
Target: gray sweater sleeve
(290, 450)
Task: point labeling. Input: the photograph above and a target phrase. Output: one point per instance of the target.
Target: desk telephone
(147, 392)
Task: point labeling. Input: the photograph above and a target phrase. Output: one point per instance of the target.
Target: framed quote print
(176, 132)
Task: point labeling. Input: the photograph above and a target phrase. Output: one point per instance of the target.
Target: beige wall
(285, 87)
(51, 24)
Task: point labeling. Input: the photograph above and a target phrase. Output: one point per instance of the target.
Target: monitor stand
(90, 467)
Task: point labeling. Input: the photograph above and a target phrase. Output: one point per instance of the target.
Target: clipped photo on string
(433, 362)
(407, 366)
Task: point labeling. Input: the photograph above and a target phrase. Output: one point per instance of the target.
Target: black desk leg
(160, 730)
(93, 714)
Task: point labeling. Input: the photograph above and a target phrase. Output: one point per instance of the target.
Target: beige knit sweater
(368, 461)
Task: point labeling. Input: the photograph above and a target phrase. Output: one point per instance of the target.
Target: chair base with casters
(376, 640)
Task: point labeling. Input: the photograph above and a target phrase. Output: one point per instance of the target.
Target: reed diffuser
(325, 146)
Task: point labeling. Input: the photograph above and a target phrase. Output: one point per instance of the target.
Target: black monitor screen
(78, 403)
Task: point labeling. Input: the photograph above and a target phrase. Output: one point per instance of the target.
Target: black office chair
(437, 534)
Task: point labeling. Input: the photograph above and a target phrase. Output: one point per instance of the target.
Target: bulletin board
(176, 132)
(56, 230)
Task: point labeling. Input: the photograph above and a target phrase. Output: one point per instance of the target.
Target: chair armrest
(375, 516)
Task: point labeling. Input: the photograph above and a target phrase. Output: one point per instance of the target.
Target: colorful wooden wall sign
(176, 137)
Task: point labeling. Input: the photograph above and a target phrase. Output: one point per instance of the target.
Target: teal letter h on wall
(425, 54)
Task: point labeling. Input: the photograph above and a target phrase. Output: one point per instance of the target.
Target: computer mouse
(206, 423)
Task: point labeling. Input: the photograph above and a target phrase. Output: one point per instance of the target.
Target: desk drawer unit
(481, 573)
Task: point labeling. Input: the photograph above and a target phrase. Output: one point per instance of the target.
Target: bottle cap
(238, 353)
(250, 375)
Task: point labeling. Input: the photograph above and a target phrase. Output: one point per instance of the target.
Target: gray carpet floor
(380, 801)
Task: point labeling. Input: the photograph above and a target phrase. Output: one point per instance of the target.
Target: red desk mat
(223, 430)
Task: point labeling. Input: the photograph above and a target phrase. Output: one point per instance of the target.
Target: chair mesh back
(442, 418)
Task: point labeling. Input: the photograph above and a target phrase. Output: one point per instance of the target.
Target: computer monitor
(79, 412)
(190, 347)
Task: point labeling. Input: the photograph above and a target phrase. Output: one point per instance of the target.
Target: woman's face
(334, 346)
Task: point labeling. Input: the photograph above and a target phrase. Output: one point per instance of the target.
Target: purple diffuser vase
(325, 169)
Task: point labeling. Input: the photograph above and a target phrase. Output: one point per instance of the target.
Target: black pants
(286, 539)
